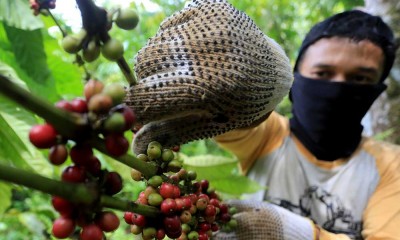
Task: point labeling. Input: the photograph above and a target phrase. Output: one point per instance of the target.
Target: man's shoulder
(386, 154)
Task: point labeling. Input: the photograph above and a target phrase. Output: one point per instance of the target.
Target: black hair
(355, 25)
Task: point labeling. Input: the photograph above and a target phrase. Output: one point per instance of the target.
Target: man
(317, 164)
(210, 70)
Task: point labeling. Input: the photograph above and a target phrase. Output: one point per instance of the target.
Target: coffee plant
(174, 204)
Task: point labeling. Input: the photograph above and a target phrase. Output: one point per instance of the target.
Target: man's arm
(251, 143)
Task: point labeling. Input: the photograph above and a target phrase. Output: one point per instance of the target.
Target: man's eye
(322, 74)
(363, 79)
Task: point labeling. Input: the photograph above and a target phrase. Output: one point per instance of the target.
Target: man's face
(343, 60)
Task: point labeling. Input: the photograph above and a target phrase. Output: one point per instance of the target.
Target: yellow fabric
(382, 215)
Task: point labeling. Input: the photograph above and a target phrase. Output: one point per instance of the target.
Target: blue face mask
(327, 115)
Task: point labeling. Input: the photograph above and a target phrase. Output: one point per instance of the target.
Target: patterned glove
(209, 69)
(265, 221)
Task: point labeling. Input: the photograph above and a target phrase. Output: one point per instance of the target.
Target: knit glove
(265, 221)
(209, 69)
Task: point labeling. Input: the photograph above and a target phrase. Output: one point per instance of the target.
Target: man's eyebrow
(322, 65)
(371, 70)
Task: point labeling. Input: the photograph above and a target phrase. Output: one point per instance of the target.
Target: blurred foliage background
(30, 52)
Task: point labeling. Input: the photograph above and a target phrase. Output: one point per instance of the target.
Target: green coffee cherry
(167, 155)
(155, 181)
(112, 49)
(174, 166)
(71, 44)
(142, 157)
(155, 199)
(127, 19)
(91, 52)
(153, 152)
(115, 122)
(116, 92)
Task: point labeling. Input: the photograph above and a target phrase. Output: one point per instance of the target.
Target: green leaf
(5, 197)
(17, 13)
(29, 54)
(236, 185)
(31, 221)
(15, 124)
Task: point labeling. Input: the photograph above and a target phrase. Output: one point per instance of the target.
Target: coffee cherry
(116, 144)
(58, 154)
(107, 221)
(232, 223)
(91, 52)
(100, 103)
(74, 174)
(153, 152)
(93, 166)
(80, 154)
(63, 227)
(174, 166)
(201, 204)
(167, 190)
(210, 211)
(93, 87)
(193, 235)
(64, 207)
(167, 155)
(113, 183)
(168, 206)
(128, 217)
(192, 175)
(160, 234)
(116, 92)
(91, 232)
(155, 181)
(64, 104)
(203, 236)
(139, 220)
(142, 157)
(71, 44)
(185, 216)
(155, 199)
(112, 49)
(127, 19)
(149, 233)
(149, 190)
(135, 229)
(172, 226)
(136, 175)
(130, 117)
(115, 123)
(79, 105)
(204, 185)
(43, 136)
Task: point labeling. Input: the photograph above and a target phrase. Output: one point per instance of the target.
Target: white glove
(264, 221)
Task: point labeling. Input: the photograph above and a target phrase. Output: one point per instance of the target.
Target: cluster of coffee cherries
(91, 46)
(38, 5)
(190, 209)
(106, 116)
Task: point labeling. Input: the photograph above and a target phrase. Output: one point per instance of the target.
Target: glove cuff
(295, 226)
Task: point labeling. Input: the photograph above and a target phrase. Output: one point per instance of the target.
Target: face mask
(327, 115)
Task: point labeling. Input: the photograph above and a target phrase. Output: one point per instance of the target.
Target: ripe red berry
(79, 105)
(80, 154)
(210, 211)
(43, 136)
(64, 104)
(130, 117)
(113, 183)
(91, 232)
(204, 227)
(64, 207)
(74, 174)
(160, 234)
(58, 154)
(92, 87)
(204, 185)
(93, 166)
(107, 221)
(167, 190)
(172, 226)
(128, 217)
(63, 227)
(138, 220)
(168, 206)
(116, 144)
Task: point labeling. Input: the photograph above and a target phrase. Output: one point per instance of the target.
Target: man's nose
(339, 78)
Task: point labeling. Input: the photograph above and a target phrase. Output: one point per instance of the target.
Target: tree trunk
(383, 118)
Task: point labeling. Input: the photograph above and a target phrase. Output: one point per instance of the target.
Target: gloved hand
(209, 69)
(265, 221)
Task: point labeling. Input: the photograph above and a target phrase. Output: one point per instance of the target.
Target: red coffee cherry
(139, 220)
(116, 144)
(64, 207)
(91, 232)
(79, 105)
(80, 154)
(63, 227)
(167, 190)
(168, 206)
(74, 174)
(107, 221)
(128, 217)
(113, 183)
(43, 136)
(58, 154)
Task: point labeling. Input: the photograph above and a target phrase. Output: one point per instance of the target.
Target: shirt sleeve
(382, 214)
(250, 144)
